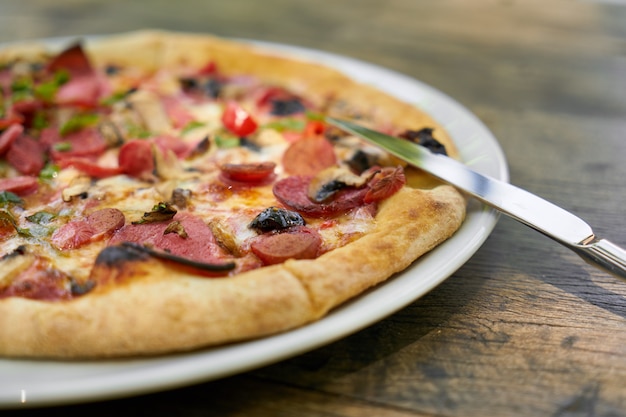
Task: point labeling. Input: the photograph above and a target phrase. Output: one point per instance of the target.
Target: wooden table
(525, 328)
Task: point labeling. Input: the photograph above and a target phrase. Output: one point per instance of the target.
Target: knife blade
(523, 206)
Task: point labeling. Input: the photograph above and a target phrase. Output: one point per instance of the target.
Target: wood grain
(525, 328)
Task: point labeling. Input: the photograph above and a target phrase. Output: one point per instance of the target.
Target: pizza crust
(163, 309)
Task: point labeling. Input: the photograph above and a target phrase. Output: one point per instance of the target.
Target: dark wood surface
(525, 328)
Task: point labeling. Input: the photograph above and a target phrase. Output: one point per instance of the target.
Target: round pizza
(164, 192)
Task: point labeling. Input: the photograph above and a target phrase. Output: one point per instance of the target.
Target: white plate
(40, 383)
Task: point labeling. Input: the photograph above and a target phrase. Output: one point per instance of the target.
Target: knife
(521, 205)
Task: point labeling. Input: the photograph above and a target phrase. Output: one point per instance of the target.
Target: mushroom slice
(78, 188)
(111, 133)
(12, 264)
(225, 237)
(151, 111)
(330, 180)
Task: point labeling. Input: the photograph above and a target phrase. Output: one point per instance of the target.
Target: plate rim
(147, 375)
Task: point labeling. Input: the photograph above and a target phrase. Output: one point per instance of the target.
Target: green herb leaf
(47, 90)
(114, 98)
(49, 172)
(315, 116)
(41, 217)
(62, 146)
(226, 142)
(191, 126)
(78, 122)
(138, 132)
(290, 124)
(7, 197)
(40, 120)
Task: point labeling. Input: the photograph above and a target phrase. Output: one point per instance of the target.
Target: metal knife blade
(541, 215)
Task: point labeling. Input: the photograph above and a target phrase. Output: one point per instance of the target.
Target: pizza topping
(299, 242)
(308, 156)
(176, 227)
(384, 184)
(260, 172)
(326, 183)
(136, 158)
(39, 281)
(206, 86)
(26, 155)
(116, 256)
(204, 266)
(14, 263)
(22, 185)
(276, 218)
(89, 167)
(105, 221)
(237, 120)
(199, 245)
(150, 110)
(293, 193)
(83, 88)
(78, 188)
(361, 161)
(180, 197)
(425, 138)
(72, 235)
(73, 59)
(160, 212)
(83, 142)
(10, 134)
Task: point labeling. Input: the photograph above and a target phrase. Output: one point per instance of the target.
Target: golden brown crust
(164, 310)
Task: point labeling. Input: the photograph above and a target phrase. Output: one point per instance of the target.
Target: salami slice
(297, 243)
(26, 155)
(8, 137)
(21, 186)
(193, 239)
(292, 192)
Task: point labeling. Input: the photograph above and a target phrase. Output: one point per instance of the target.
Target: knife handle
(604, 254)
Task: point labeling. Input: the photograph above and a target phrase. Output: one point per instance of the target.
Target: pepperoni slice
(87, 142)
(297, 243)
(293, 193)
(249, 173)
(72, 235)
(136, 158)
(23, 185)
(9, 135)
(89, 167)
(105, 221)
(308, 156)
(26, 155)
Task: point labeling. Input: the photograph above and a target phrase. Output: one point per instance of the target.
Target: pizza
(164, 192)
